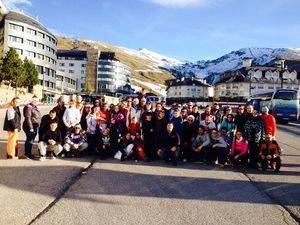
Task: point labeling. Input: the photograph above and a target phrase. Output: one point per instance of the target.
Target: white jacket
(71, 117)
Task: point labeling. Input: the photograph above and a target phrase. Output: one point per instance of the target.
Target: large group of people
(138, 129)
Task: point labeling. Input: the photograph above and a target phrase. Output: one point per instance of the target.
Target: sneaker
(42, 158)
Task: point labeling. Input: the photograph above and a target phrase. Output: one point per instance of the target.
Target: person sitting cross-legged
(198, 149)
(50, 142)
(75, 141)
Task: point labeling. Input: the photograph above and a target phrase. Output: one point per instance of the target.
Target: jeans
(167, 154)
(30, 136)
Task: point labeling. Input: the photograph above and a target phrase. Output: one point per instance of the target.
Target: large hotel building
(33, 41)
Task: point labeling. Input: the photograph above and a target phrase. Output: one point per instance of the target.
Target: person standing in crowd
(160, 124)
(134, 112)
(148, 108)
(32, 120)
(189, 130)
(84, 114)
(177, 122)
(254, 134)
(120, 119)
(71, 116)
(169, 147)
(92, 130)
(269, 121)
(79, 103)
(216, 113)
(207, 112)
(269, 153)
(227, 111)
(184, 114)
(148, 136)
(50, 142)
(240, 119)
(196, 114)
(171, 111)
(46, 121)
(190, 108)
(60, 109)
(76, 141)
(208, 123)
(104, 117)
(228, 123)
(198, 149)
(143, 102)
(239, 150)
(12, 124)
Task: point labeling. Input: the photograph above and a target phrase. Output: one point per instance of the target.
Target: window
(62, 70)
(71, 71)
(31, 54)
(61, 64)
(83, 65)
(39, 69)
(31, 31)
(40, 56)
(47, 83)
(16, 27)
(20, 51)
(31, 43)
(40, 46)
(47, 71)
(286, 95)
(71, 64)
(82, 71)
(41, 35)
(15, 39)
(48, 48)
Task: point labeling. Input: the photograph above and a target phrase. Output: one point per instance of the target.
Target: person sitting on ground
(239, 150)
(170, 145)
(198, 150)
(134, 126)
(224, 134)
(269, 153)
(75, 141)
(50, 142)
(139, 147)
(216, 149)
(125, 148)
(104, 147)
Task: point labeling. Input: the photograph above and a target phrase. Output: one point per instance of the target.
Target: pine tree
(12, 69)
(30, 76)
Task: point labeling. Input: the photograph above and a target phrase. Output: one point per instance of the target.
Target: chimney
(247, 62)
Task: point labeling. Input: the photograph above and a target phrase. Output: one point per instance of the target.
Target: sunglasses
(77, 128)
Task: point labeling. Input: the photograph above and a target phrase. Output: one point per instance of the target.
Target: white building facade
(188, 88)
(71, 73)
(112, 75)
(34, 42)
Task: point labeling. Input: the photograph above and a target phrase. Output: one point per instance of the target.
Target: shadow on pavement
(44, 180)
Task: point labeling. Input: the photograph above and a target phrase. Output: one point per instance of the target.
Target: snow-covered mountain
(234, 60)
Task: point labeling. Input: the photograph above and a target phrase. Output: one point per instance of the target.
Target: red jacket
(134, 128)
(270, 124)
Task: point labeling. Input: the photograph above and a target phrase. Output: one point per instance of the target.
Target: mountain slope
(234, 60)
(146, 65)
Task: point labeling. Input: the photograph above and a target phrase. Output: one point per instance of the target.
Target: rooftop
(23, 18)
(78, 54)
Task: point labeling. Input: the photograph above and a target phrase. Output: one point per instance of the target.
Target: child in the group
(269, 153)
(50, 142)
(239, 150)
(104, 147)
(76, 141)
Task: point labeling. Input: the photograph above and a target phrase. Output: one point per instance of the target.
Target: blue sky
(183, 29)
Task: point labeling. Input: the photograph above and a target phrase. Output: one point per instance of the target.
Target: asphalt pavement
(90, 191)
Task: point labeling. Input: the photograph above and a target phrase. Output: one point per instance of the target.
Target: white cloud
(181, 3)
(13, 4)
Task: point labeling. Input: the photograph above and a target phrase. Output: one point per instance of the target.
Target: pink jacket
(239, 147)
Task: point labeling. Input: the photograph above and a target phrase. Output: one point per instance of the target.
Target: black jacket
(240, 120)
(170, 140)
(12, 119)
(45, 125)
(54, 135)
